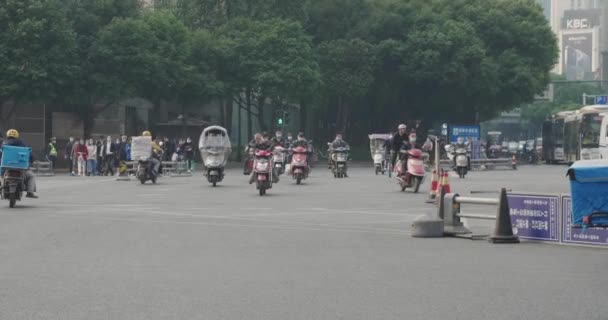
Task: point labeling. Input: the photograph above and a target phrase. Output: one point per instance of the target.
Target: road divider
(519, 215)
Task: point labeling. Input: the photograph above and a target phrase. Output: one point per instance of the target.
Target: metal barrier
(483, 164)
(176, 169)
(449, 210)
(42, 168)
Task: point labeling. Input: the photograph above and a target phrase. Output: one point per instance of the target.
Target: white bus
(583, 132)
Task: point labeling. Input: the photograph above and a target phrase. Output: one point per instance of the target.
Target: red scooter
(299, 164)
(414, 176)
(262, 171)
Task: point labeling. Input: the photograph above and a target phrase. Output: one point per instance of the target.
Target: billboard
(577, 55)
(580, 19)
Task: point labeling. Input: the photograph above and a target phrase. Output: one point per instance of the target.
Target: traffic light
(280, 116)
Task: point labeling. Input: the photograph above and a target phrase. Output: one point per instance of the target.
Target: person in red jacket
(81, 153)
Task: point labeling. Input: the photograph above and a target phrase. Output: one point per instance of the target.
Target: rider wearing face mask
(300, 142)
(278, 139)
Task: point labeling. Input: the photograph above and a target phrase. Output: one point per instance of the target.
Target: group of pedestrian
(104, 156)
(92, 157)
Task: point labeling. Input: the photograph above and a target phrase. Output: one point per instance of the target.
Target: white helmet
(402, 126)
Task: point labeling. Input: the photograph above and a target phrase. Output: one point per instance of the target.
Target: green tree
(213, 13)
(145, 56)
(84, 94)
(457, 60)
(37, 50)
(347, 68)
(268, 60)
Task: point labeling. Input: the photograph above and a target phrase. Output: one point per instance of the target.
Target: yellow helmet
(12, 133)
(146, 133)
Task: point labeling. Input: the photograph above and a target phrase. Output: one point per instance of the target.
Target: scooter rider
(12, 139)
(157, 152)
(278, 140)
(337, 143)
(260, 142)
(398, 139)
(406, 146)
(461, 144)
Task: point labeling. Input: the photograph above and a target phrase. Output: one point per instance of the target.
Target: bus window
(590, 131)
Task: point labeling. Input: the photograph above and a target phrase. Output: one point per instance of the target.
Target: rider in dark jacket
(397, 141)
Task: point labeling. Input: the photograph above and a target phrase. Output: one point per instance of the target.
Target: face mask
(289, 138)
(188, 141)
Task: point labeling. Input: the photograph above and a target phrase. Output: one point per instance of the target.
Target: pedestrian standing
(68, 156)
(189, 154)
(92, 158)
(99, 145)
(51, 152)
(82, 153)
(108, 150)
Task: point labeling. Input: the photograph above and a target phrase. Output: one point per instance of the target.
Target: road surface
(95, 248)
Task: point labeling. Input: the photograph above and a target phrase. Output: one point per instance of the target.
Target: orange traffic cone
(445, 182)
(434, 188)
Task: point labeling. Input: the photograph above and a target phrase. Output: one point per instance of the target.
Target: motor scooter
(414, 175)
(299, 164)
(262, 171)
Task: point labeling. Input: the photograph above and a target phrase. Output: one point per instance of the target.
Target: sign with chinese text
(467, 132)
(535, 217)
(579, 235)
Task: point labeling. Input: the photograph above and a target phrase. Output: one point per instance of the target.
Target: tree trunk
(248, 101)
(261, 99)
(304, 119)
(227, 107)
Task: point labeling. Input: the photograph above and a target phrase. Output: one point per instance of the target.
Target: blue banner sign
(579, 235)
(466, 132)
(601, 99)
(535, 217)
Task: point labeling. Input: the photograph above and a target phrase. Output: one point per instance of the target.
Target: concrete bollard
(427, 226)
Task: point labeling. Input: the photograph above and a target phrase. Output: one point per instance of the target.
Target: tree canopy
(363, 63)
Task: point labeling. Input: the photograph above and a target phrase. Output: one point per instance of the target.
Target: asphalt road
(95, 248)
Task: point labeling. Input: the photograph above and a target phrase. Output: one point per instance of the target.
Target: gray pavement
(95, 248)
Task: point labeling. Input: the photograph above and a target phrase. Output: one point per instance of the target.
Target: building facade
(581, 29)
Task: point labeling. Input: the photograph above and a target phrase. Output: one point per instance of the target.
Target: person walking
(83, 156)
(51, 152)
(68, 156)
(92, 158)
(75, 149)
